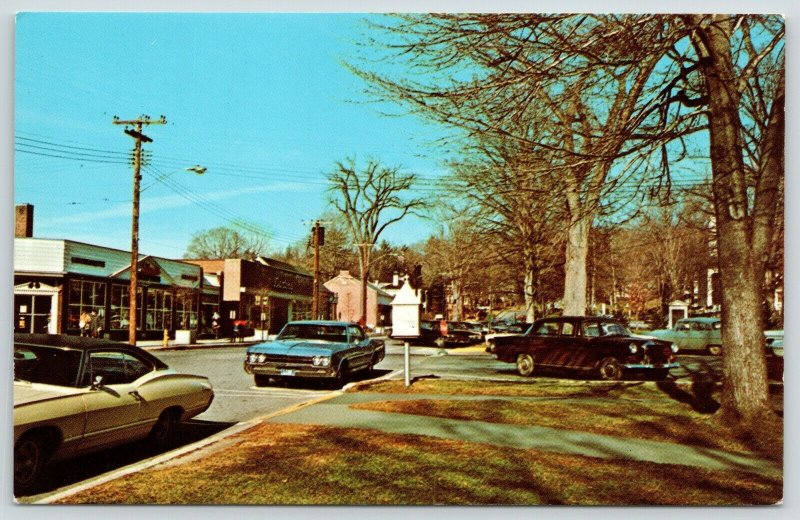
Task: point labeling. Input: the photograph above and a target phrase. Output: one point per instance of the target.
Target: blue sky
(261, 100)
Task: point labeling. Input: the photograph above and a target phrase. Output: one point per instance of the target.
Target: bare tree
(729, 59)
(335, 255)
(370, 200)
(578, 80)
(225, 242)
(511, 196)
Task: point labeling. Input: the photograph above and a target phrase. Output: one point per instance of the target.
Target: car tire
(343, 375)
(525, 365)
(30, 454)
(165, 430)
(714, 350)
(374, 361)
(261, 380)
(610, 369)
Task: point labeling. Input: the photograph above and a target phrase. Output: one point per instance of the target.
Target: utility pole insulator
(133, 318)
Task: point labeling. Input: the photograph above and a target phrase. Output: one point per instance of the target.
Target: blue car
(331, 350)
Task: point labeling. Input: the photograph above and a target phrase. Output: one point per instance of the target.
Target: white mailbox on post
(405, 313)
(405, 321)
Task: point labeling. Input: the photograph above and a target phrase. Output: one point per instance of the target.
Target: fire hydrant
(166, 338)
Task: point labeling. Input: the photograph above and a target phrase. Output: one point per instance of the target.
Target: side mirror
(97, 383)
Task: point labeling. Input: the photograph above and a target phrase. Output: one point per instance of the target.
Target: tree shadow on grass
(700, 394)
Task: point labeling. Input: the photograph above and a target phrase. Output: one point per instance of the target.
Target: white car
(77, 395)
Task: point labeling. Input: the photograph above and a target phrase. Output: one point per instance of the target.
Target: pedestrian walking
(216, 327)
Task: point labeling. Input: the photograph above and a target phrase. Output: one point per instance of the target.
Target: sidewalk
(157, 344)
(338, 413)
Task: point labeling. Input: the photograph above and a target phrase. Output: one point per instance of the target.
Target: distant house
(347, 289)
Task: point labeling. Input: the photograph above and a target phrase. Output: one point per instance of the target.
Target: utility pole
(318, 237)
(138, 137)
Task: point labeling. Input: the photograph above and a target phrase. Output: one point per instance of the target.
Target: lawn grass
(297, 464)
(536, 388)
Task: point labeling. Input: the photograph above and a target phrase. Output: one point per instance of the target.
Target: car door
(571, 351)
(697, 337)
(361, 353)
(114, 407)
(682, 335)
(546, 344)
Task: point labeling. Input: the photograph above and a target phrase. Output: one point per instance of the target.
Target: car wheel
(372, 363)
(714, 350)
(261, 380)
(525, 365)
(165, 430)
(343, 376)
(610, 369)
(30, 454)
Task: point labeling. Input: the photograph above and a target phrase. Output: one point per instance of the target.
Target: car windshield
(48, 365)
(614, 329)
(313, 331)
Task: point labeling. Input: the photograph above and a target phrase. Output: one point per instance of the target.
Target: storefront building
(261, 294)
(56, 281)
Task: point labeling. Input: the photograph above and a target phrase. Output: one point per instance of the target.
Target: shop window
(84, 296)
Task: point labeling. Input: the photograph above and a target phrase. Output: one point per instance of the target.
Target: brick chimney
(23, 222)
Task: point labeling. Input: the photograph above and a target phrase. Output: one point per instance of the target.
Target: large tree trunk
(765, 205)
(575, 266)
(745, 389)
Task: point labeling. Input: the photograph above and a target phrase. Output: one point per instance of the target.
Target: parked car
(477, 329)
(774, 355)
(75, 395)
(314, 349)
(502, 329)
(587, 344)
(694, 335)
(452, 334)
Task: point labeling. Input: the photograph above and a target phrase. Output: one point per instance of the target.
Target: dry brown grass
(292, 464)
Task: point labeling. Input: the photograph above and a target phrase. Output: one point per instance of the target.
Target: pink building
(348, 307)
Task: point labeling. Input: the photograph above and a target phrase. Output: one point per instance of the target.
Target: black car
(449, 334)
(589, 344)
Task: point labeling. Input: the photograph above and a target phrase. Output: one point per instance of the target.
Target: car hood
(26, 393)
(298, 347)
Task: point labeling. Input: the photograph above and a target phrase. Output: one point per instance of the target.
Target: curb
(154, 461)
(201, 444)
(196, 346)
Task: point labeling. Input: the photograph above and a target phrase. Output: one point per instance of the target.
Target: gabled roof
(277, 264)
(345, 275)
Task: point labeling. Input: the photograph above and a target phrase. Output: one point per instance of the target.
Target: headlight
(674, 348)
(262, 358)
(634, 348)
(321, 361)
